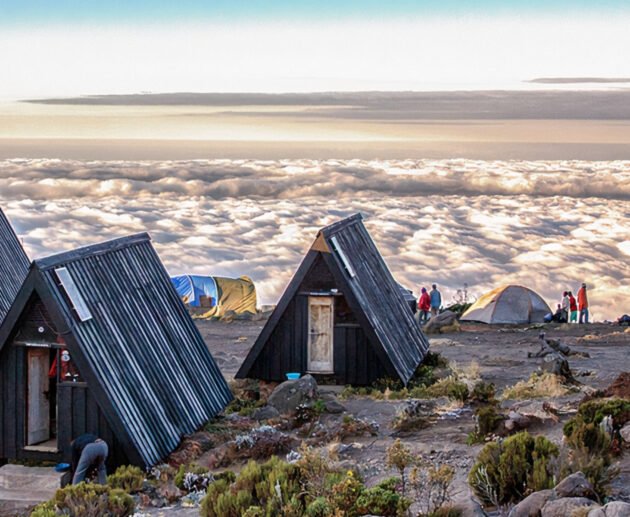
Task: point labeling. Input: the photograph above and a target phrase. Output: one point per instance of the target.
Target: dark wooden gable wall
(78, 410)
(355, 361)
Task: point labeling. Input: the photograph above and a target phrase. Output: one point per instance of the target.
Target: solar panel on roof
(343, 257)
(73, 294)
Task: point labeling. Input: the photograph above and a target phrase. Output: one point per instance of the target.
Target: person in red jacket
(583, 304)
(424, 306)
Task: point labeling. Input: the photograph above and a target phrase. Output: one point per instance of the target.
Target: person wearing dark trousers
(89, 452)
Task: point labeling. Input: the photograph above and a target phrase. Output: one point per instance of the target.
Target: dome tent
(508, 304)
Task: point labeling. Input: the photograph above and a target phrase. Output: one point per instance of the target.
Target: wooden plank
(12, 402)
(64, 419)
(79, 420)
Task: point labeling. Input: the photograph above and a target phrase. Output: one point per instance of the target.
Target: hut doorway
(41, 400)
(320, 335)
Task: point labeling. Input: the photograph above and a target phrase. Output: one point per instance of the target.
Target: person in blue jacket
(436, 300)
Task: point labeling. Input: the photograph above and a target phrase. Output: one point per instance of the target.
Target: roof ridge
(340, 225)
(100, 248)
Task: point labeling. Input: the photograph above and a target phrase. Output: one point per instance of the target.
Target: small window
(77, 301)
(63, 367)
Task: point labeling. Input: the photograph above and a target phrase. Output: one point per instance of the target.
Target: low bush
(505, 472)
(310, 486)
(449, 387)
(538, 386)
(193, 478)
(487, 419)
(483, 393)
(87, 500)
(128, 478)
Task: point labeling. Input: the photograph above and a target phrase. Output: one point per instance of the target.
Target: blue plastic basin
(293, 376)
(62, 467)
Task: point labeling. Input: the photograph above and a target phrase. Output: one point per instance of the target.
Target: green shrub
(483, 393)
(127, 478)
(319, 507)
(449, 387)
(254, 486)
(87, 500)
(435, 360)
(507, 471)
(46, 509)
(381, 500)
(583, 430)
(192, 477)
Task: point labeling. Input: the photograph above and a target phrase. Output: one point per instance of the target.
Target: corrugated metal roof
(13, 265)
(140, 342)
(378, 293)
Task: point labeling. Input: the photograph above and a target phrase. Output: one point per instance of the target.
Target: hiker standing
(573, 308)
(436, 300)
(566, 303)
(583, 304)
(89, 452)
(424, 306)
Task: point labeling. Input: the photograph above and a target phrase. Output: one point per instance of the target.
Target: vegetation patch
(538, 386)
(506, 472)
(87, 500)
(128, 478)
(311, 486)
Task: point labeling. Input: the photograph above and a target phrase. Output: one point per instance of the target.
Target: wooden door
(38, 420)
(320, 334)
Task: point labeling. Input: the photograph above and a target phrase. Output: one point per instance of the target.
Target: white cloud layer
(548, 225)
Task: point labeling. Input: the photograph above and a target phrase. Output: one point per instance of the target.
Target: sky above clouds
(67, 48)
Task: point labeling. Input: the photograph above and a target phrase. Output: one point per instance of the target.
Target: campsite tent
(508, 304)
(213, 296)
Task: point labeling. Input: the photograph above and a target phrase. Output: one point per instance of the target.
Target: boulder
(557, 364)
(565, 506)
(443, 322)
(265, 413)
(532, 504)
(331, 404)
(625, 432)
(613, 509)
(290, 394)
(575, 485)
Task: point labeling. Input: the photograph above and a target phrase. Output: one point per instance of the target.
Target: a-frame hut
(98, 341)
(13, 265)
(342, 316)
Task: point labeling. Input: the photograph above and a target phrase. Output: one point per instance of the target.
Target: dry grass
(537, 386)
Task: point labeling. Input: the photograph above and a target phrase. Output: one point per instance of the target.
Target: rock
(532, 504)
(575, 485)
(565, 506)
(613, 509)
(625, 433)
(265, 413)
(290, 394)
(443, 322)
(470, 508)
(557, 364)
(534, 410)
(332, 405)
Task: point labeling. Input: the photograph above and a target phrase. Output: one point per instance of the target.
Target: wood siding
(355, 361)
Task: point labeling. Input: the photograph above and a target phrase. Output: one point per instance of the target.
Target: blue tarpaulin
(191, 289)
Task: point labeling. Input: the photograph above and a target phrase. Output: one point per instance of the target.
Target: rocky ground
(495, 354)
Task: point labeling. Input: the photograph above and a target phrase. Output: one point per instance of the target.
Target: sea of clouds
(547, 225)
